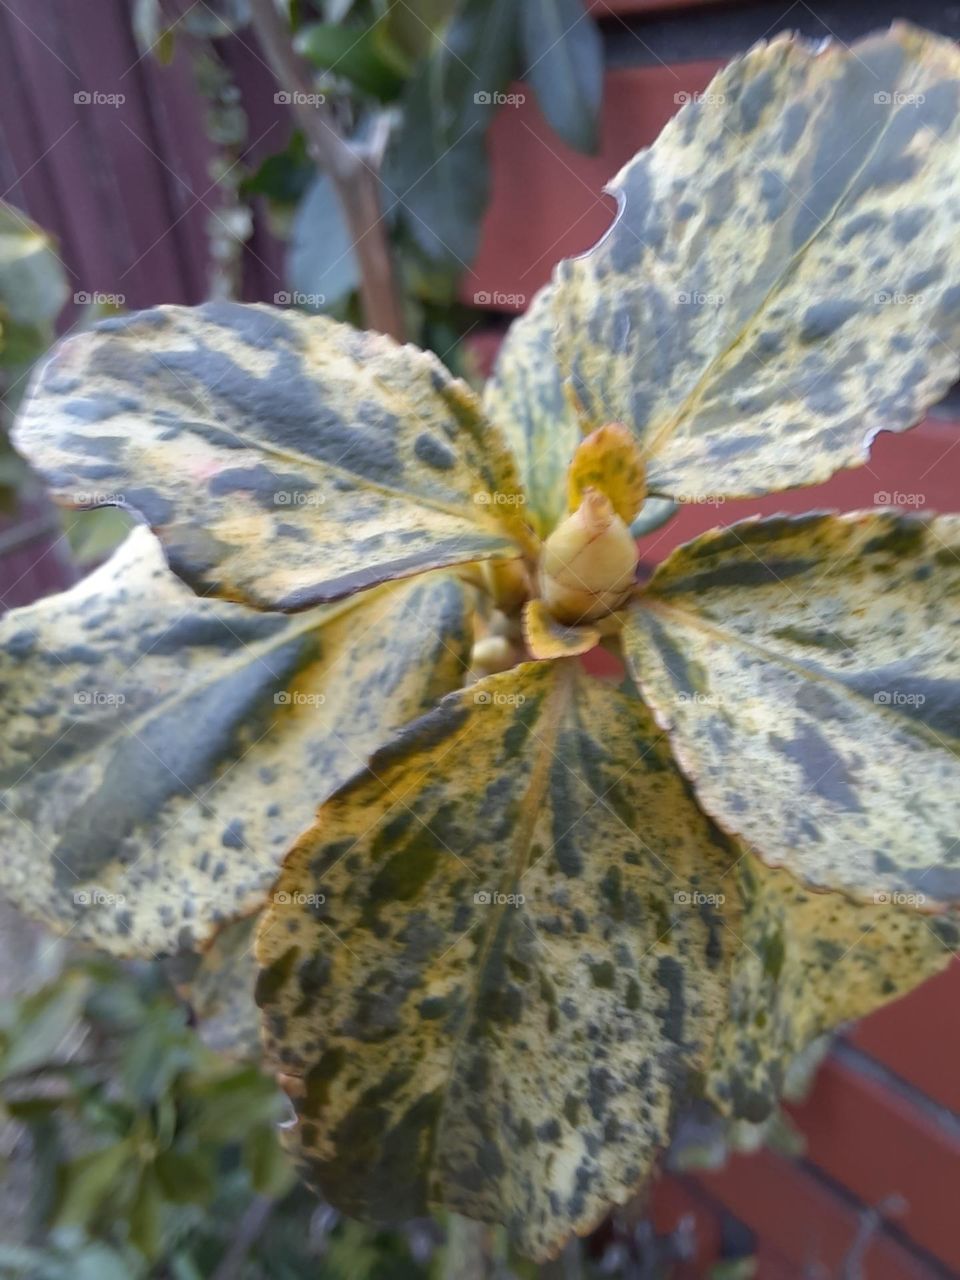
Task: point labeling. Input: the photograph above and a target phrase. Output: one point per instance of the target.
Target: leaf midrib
(530, 811)
(658, 437)
(733, 638)
(251, 654)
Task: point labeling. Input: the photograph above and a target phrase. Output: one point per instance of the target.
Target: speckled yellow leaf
(490, 965)
(547, 638)
(158, 753)
(284, 459)
(526, 399)
(783, 279)
(808, 670)
(608, 459)
(809, 962)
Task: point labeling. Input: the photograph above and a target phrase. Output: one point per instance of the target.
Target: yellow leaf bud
(589, 562)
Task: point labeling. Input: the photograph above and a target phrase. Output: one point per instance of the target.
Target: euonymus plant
(529, 915)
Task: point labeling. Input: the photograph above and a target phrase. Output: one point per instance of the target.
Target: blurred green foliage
(148, 1155)
(33, 288)
(414, 85)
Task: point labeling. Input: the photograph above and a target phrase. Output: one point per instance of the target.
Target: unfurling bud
(588, 563)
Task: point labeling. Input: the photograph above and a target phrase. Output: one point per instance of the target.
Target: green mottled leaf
(483, 979)
(283, 459)
(564, 55)
(525, 398)
(807, 670)
(545, 637)
(783, 278)
(809, 962)
(154, 746)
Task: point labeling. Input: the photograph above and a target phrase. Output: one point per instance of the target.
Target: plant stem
(356, 182)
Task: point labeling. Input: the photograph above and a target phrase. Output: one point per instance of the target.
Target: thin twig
(357, 184)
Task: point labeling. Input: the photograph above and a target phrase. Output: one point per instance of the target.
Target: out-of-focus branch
(357, 183)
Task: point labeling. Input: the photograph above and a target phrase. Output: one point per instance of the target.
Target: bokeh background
(158, 149)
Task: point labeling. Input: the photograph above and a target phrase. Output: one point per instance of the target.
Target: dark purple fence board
(124, 188)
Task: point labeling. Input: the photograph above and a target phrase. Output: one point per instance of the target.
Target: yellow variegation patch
(807, 670)
(547, 638)
(485, 970)
(783, 278)
(809, 962)
(283, 459)
(525, 398)
(609, 459)
(159, 752)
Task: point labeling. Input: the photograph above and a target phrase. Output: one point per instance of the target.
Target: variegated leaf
(547, 638)
(808, 670)
(158, 753)
(609, 459)
(809, 962)
(283, 459)
(486, 970)
(526, 399)
(783, 278)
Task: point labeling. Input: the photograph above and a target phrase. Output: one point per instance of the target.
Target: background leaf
(366, 56)
(436, 165)
(321, 262)
(564, 64)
